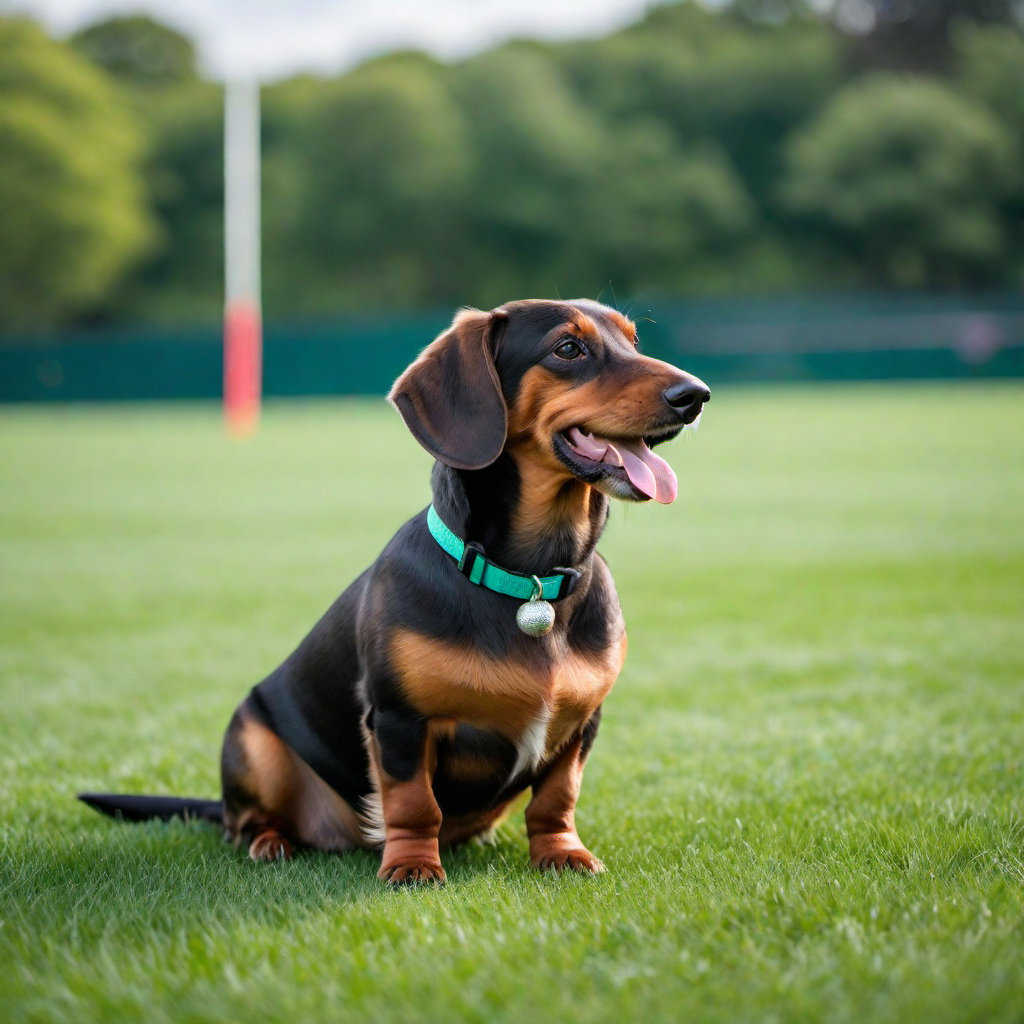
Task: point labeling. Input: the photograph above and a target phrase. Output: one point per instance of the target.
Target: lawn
(807, 788)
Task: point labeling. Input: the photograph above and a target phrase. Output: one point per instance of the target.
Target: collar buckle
(472, 554)
(570, 577)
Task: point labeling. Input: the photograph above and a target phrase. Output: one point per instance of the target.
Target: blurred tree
(293, 284)
(378, 159)
(912, 35)
(659, 219)
(181, 278)
(768, 12)
(533, 146)
(728, 80)
(138, 50)
(560, 202)
(905, 176)
(990, 69)
(71, 205)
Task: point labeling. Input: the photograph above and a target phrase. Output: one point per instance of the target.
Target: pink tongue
(647, 472)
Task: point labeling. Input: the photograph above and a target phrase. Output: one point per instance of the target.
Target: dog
(470, 661)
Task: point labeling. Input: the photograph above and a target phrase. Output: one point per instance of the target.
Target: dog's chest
(538, 701)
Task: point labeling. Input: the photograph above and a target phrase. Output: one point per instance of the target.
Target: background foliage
(755, 148)
(71, 196)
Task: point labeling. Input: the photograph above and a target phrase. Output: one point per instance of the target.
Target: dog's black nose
(688, 395)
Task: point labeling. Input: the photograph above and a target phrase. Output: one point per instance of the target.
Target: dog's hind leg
(274, 800)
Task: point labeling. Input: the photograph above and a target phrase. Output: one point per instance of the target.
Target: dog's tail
(146, 808)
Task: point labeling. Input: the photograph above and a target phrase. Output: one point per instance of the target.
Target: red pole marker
(243, 367)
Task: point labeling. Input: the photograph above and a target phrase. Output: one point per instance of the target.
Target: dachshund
(470, 661)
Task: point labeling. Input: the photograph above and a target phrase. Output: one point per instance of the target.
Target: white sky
(276, 38)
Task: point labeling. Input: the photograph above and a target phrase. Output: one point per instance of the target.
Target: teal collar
(479, 569)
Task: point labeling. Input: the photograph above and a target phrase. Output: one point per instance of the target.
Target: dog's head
(561, 384)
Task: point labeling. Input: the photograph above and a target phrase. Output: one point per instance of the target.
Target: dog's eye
(569, 350)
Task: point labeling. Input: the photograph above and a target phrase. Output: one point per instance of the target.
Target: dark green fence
(822, 338)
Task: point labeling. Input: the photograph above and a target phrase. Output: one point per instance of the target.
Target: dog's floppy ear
(450, 397)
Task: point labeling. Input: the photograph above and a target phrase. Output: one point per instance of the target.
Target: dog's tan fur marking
(583, 327)
(624, 324)
(289, 794)
(548, 501)
(469, 767)
(550, 497)
(507, 695)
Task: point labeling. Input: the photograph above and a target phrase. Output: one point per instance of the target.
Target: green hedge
(821, 338)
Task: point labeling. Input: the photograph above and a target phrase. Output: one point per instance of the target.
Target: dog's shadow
(165, 875)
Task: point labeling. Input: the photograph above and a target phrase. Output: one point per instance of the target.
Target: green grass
(807, 790)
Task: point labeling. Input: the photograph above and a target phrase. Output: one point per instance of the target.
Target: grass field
(808, 788)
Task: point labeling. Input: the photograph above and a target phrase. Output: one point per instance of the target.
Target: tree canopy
(138, 50)
(907, 176)
(751, 147)
(71, 196)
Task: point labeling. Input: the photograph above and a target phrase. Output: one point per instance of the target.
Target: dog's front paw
(560, 852)
(412, 872)
(409, 861)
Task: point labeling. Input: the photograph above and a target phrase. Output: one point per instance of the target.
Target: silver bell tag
(536, 617)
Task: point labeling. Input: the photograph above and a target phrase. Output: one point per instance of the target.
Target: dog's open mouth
(625, 459)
